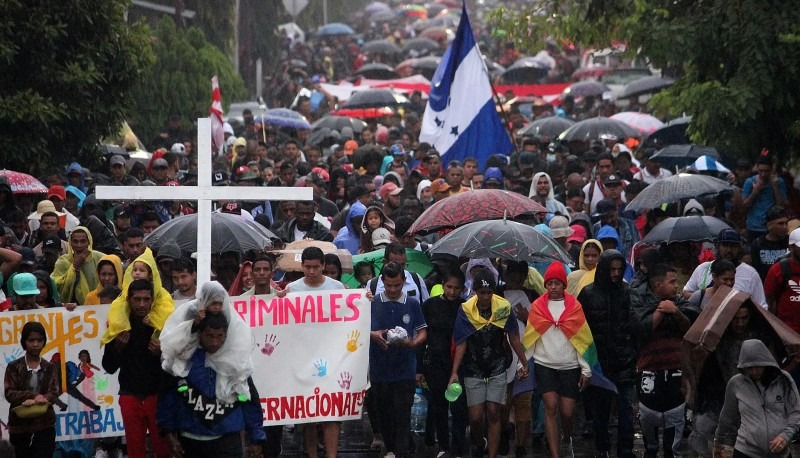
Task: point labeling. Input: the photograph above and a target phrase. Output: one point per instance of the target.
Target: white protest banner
(312, 355)
(88, 406)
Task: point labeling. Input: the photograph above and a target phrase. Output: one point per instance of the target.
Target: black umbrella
(366, 154)
(525, 71)
(686, 229)
(586, 89)
(375, 98)
(381, 47)
(338, 123)
(324, 135)
(675, 188)
(228, 233)
(419, 46)
(682, 155)
(595, 128)
(500, 239)
(426, 66)
(551, 126)
(674, 133)
(646, 85)
(377, 71)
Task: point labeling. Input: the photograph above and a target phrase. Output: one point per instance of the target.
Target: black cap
(776, 212)
(527, 160)
(122, 211)
(219, 178)
(51, 244)
(729, 236)
(605, 207)
(589, 156)
(28, 256)
(612, 180)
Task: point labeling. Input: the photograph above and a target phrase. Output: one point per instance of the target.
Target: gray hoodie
(755, 414)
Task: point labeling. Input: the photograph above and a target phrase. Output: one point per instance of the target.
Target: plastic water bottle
(419, 412)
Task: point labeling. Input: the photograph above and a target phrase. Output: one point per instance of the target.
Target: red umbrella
(365, 113)
(477, 205)
(22, 183)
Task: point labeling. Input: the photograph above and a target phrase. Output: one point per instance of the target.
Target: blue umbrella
(283, 117)
(377, 7)
(333, 29)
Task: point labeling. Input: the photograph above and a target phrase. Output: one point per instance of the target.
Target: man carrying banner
(312, 261)
(137, 355)
(195, 422)
(392, 361)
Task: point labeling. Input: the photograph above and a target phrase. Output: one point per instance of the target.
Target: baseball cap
(578, 234)
(28, 256)
(178, 148)
(612, 180)
(158, 163)
(397, 150)
(794, 238)
(51, 244)
(25, 284)
(493, 174)
(172, 183)
(232, 208)
(527, 160)
(381, 237)
(350, 146)
(219, 178)
(604, 207)
(121, 211)
(439, 185)
(389, 189)
(729, 236)
(57, 190)
(117, 160)
(322, 173)
(244, 173)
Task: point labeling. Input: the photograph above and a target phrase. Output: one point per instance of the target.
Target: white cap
(178, 148)
(381, 237)
(794, 237)
(227, 128)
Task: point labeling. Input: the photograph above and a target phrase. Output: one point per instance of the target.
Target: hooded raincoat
(120, 312)
(553, 206)
(578, 279)
(349, 238)
(93, 298)
(232, 362)
(74, 285)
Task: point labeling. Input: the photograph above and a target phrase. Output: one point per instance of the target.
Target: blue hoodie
(349, 238)
(608, 232)
(77, 192)
(75, 167)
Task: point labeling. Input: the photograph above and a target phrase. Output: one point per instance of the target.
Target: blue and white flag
(460, 119)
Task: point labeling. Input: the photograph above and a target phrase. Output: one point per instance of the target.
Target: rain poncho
(120, 312)
(608, 232)
(232, 362)
(93, 298)
(349, 238)
(577, 280)
(77, 193)
(71, 288)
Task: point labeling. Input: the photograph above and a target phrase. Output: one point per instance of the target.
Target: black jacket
(440, 316)
(607, 309)
(317, 232)
(139, 370)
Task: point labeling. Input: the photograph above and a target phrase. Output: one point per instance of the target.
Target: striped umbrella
(708, 163)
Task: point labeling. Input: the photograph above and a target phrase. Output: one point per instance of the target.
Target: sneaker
(100, 453)
(566, 449)
(389, 455)
(519, 452)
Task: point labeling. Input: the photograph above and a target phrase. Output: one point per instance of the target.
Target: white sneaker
(566, 449)
(100, 453)
(389, 455)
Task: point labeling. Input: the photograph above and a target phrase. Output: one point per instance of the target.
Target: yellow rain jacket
(65, 276)
(579, 279)
(93, 298)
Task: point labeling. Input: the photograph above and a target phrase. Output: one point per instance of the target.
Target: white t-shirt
(298, 234)
(409, 287)
(645, 176)
(300, 286)
(597, 196)
(747, 280)
(554, 350)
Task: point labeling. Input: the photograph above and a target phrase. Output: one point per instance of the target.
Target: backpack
(373, 285)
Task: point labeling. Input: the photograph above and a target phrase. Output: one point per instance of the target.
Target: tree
(67, 71)
(737, 63)
(180, 82)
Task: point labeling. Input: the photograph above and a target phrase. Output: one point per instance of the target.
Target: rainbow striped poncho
(573, 324)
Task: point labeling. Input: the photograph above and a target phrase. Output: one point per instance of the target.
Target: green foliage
(180, 81)
(737, 62)
(67, 72)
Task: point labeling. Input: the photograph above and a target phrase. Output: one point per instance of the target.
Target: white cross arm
(202, 193)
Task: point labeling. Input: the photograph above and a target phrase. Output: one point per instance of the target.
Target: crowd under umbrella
(438, 33)
(335, 29)
(686, 229)
(526, 70)
(673, 133)
(381, 47)
(377, 71)
(375, 98)
(22, 183)
(646, 85)
(416, 261)
(642, 122)
(335, 122)
(675, 188)
(283, 117)
(426, 66)
(679, 156)
(383, 16)
(585, 89)
(416, 47)
(595, 128)
(482, 204)
(228, 233)
(551, 126)
(500, 239)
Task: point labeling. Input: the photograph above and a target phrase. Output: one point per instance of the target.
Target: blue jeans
(601, 401)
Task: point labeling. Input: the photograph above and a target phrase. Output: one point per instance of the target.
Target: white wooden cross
(204, 193)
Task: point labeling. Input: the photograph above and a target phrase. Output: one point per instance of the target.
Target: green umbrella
(417, 262)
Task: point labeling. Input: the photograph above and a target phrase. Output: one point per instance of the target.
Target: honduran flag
(460, 119)
(572, 323)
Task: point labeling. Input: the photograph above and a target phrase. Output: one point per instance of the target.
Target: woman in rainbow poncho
(561, 344)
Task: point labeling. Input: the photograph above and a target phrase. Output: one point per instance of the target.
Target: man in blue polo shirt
(762, 192)
(392, 359)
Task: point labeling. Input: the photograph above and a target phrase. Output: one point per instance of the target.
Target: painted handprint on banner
(352, 341)
(13, 356)
(322, 367)
(344, 380)
(105, 399)
(270, 343)
(101, 383)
